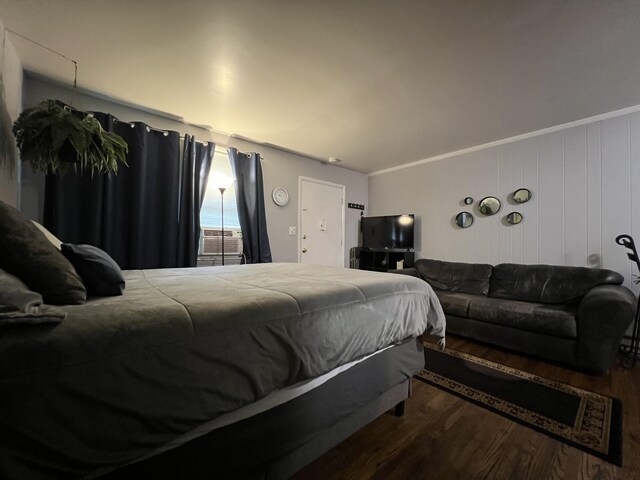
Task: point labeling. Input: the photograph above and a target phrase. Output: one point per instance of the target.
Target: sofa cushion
(455, 277)
(455, 303)
(547, 283)
(555, 320)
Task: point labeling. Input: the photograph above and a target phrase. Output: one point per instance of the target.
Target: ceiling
(374, 83)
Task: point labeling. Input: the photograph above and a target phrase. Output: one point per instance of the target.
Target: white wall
(279, 169)
(585, 181)
(11, 71)
(283, 169)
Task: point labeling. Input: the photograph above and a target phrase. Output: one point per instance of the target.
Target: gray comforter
(124, 375)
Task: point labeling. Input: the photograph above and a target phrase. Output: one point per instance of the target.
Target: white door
(321, 235)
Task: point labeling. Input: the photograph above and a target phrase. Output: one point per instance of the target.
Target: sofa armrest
(604, 314)
(407, 271)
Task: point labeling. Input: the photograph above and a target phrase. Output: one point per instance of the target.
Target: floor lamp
(222, 182)
(631, 352)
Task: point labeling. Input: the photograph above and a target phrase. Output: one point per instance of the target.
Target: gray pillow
(27, 254)
(100, 273)
(20, 305)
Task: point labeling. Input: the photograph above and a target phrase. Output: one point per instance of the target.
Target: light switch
(323, 225)
(292, 230)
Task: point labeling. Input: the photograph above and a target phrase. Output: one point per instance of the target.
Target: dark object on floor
(571, 315)
(582, 419)
(630, 352)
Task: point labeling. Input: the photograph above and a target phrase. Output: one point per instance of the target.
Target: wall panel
(585, 182)
(551, 199)
(530, 209)
(517, 180)
(575, 196)
(594, 195)
(505, 187)
(616, 191)
(483, 172)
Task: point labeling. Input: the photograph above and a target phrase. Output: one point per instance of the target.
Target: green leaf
(48, 136)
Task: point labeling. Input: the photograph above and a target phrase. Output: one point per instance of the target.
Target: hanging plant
(51, 136)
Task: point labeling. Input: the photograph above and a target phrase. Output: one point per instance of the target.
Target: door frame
(321, 182)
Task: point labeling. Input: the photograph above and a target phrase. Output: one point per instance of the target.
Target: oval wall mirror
(521, 195)
(489, 206)
(464, 219)
(514, 218)
(468, 200)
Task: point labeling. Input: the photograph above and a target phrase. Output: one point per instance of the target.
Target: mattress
(122, 376)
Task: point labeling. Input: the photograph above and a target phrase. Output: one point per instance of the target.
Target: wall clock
(280, 196)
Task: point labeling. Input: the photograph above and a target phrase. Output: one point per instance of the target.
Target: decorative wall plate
(280, 196)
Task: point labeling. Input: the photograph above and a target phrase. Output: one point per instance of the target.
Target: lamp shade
(220, 180)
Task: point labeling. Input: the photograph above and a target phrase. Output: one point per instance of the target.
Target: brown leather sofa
(571, 315)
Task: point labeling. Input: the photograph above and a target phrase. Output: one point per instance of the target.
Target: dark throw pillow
(26, 253)
(100, 273)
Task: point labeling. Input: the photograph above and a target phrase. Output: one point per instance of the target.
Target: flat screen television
(391, 231)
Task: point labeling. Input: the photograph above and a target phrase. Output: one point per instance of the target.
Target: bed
(180, 373)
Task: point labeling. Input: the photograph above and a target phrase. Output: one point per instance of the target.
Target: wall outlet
(292, 230)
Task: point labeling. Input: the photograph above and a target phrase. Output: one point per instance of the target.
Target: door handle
(304, 250)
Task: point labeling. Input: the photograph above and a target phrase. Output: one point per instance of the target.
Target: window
(210, 215)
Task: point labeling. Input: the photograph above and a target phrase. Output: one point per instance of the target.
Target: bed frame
(277, 443)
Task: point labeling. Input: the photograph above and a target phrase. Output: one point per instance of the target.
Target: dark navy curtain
(196, 163)
(135, 215)
(251, 211)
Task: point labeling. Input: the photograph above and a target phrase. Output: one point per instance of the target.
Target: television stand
(384, 260)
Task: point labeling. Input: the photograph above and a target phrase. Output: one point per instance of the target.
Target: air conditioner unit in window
(211, 242)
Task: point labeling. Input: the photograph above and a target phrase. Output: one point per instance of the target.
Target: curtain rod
(148, 127)
(164, 132)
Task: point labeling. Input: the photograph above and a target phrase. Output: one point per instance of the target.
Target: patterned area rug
(582, 419)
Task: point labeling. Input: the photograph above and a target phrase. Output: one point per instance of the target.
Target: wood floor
(444, 437)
